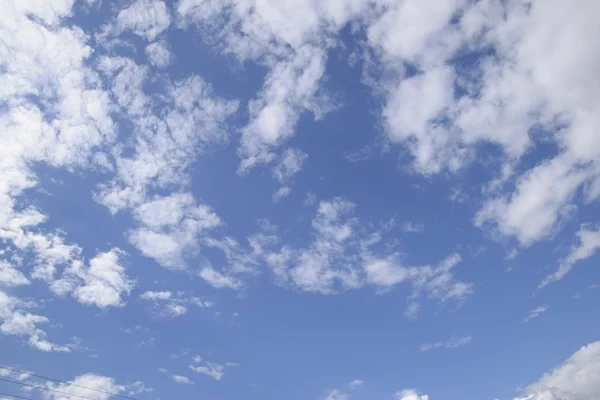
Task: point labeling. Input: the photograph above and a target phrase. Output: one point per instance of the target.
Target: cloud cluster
(169, 304)
(212, 370)
(15, 321)
(454, 78)
(102, 284)
(344, 255)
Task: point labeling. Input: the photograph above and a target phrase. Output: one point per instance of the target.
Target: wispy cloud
(536, 312)
(452, 343)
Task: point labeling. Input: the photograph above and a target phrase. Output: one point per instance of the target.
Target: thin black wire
(44, 388)
(14, 396)
(66, 383)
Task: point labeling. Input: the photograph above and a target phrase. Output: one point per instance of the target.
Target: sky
(300, 199)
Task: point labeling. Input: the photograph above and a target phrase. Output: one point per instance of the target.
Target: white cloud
(158, 54)
(146, 18)
(177, 378)
(452, 343)
(181, 379)
(410, 394)
(589, 244)
(336, 394)
(213, 370)
(410, 227)
(170, 227)
(167, 304)
(15, 321)
(289, 165)
(578, 378)
(436, 282)
(341, 394)
(311, 199)
(412, 310)
(10, 276)
(102, 387)
(281, 193)
(102, 284)
(152, 296)
(55, 113)
(289, 89)
(527, 92)
(534, 314)
(340, 257)
(171, 130)
(290, 38)
(356, 383)
(218, 280)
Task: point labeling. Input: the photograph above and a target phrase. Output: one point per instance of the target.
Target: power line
(66, 383)
(44, 388)
(14, 396)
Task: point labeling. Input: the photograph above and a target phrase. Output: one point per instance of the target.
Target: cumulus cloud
(158, 54)
(281, 193)
(146, 18)
(102, 388)
(10, 276)
(410, 394)
(578, 378)
(289, 165)
(15, 321)
(523, 93)
(287, 38)
(181, 379)
(103, 283)
(170, 226)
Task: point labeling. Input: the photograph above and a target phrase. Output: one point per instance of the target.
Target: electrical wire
(66, 383)
(14, 396)
(44, 388)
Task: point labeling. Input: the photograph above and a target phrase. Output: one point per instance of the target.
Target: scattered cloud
(310, 199)
(181, 379)
(342, 393)
(146, 18)
(289, 165)
(10, 276)
(534, 314)
(80, 386)
(281, 193)
(218, 280)
(412, 310)
(410, 227)
(452, 343)
(102, 284)
(356, 383)
(410, 394)
(15, 321)
(168, 304)
(213, 370)
(589, 244)
(158, 54)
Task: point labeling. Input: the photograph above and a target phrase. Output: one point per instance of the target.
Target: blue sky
(268, 199)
